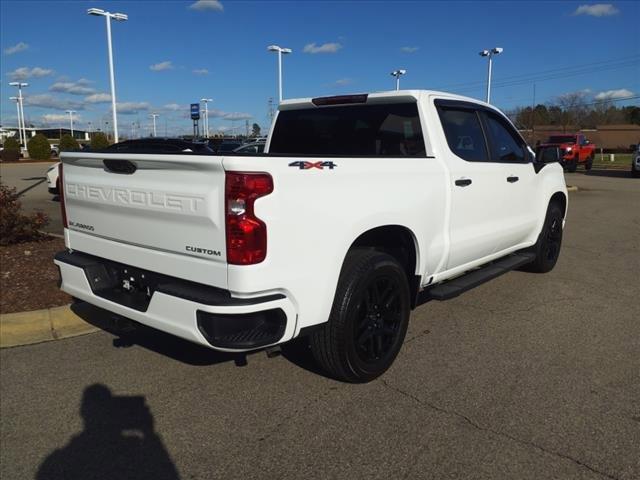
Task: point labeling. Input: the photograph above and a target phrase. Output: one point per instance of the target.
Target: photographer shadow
(118, 442)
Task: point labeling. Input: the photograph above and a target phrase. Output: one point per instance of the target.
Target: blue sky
(169, 54)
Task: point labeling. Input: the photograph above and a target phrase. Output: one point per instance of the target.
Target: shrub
(11, 151)
(99, 141)
(39, 147)
(68, 144)
(15, 226)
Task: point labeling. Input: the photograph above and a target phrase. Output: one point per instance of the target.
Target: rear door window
(506, 146)
(464, 133)
(384, 130)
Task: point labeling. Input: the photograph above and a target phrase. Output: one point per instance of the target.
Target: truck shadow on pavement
(609, 173)
(128, 333)
(118, 442)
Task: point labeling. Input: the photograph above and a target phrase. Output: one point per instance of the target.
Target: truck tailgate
(173, 204)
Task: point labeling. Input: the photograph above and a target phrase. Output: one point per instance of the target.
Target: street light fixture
(398, 73)
(154, 116)
(281, 51)
(490, 54)
(120, 17)
(71, 112)
(16, 99)
(206, 115)
(21, 123)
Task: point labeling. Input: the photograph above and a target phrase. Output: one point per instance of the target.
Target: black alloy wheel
(368, 319)
(378, 312)
(553, 241)
(547, 248)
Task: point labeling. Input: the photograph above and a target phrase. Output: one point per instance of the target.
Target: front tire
(547, 248)
(572, 165)
(589, 163)
(368, 319)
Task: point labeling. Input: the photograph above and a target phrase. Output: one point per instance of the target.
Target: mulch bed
(29, 278)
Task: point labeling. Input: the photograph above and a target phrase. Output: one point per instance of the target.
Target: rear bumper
(195, 312)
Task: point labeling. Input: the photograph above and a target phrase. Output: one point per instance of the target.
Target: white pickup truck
(363, 207)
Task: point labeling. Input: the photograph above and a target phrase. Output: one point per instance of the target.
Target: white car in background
(53, 173)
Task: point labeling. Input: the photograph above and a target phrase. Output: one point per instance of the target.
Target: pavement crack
(295, 413)
(498, 433)
(417, 336)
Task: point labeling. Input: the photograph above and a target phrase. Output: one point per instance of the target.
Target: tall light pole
(206, 115)
(18, 118)
(120, 17)
(21, 125)
(490, 54)
(154, 116)
(71, 112)
(281, 51)
(398, 73)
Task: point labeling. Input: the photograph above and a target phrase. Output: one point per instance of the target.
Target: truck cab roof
(390, 96)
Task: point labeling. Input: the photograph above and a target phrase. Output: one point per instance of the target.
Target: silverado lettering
(81, 226)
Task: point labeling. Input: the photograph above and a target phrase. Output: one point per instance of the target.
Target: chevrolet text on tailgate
(362, 208)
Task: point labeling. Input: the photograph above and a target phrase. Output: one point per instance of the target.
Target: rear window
(387, 130)
(562, 139)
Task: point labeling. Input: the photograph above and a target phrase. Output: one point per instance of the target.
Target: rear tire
(547, 248)
(368, 320)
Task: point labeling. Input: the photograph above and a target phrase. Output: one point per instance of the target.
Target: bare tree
(573, 109)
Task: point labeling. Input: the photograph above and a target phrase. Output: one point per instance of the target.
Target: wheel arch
(561, 199)
(398, 241)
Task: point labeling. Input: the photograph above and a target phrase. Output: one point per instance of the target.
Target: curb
(572, 188)
(37, 326)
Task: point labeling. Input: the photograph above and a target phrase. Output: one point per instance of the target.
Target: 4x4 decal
(308, 165)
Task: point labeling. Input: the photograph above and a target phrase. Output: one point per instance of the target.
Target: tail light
(246, 233)
(60, 186)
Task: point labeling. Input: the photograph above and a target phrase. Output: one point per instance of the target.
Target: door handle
(512, 179)
(463, 182)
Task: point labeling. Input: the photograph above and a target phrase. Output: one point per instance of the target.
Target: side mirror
(545, 156)
(549, 155)
(587, 142)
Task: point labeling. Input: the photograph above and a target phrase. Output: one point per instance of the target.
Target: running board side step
(452, 288)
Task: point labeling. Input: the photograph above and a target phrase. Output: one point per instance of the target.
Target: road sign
(195, 111)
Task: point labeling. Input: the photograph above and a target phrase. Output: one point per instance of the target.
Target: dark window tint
(562, 139)
(228, 147)
(505, 145)
(368, 130)
(464, 134)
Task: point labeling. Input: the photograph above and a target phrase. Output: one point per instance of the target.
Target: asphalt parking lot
(526, 377)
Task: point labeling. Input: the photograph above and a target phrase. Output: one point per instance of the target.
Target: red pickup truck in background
(576, 149)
